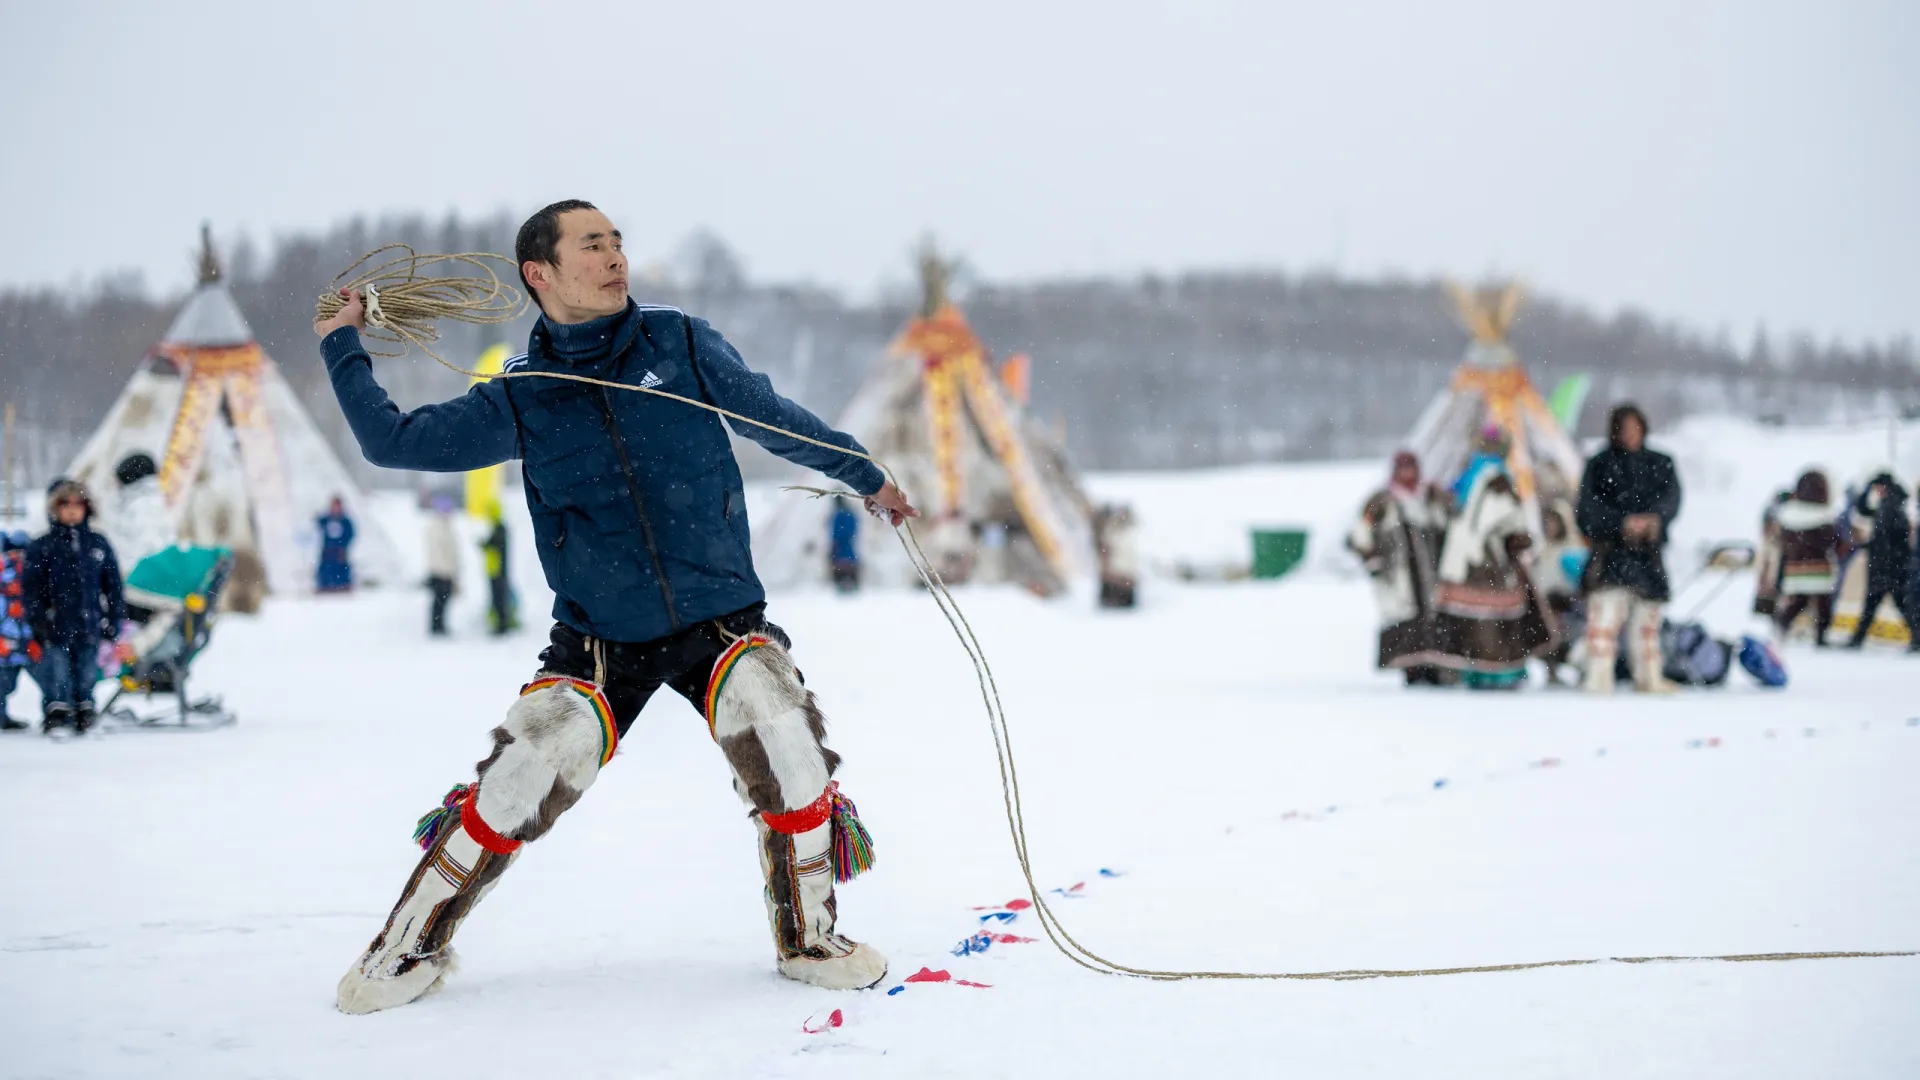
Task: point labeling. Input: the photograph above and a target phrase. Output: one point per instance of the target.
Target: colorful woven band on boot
(481, 832)
(806, 819)
(723, 667)
(609, 734)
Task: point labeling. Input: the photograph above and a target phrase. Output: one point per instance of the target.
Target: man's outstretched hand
(354, 315)
(890, 506)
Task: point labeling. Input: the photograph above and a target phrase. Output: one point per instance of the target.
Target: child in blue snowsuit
(73, 600)
(18, 650)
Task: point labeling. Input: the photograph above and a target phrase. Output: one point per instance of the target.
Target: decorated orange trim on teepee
(222, 359)
(723, 669)
(609, 734)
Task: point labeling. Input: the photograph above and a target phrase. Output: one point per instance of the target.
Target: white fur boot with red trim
(771, 729)
(548, 752)
(800, 872)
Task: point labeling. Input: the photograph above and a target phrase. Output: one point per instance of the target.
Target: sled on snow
(174, 596)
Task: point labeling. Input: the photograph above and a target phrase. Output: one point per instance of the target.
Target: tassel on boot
(436, 820)
(852, 845)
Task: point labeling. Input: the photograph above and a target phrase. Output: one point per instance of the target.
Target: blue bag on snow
(1762, 662)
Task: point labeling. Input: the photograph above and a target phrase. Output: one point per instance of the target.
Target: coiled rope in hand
(405, 304)
(409, 305)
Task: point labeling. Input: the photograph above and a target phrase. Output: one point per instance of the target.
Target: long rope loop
(411, 304)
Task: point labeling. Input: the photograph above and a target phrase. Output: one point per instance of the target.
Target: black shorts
(634, 670)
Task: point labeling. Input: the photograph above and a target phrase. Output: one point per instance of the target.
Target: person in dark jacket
(335, 572)
(641, 525)
(1889, 550)
(1913, 595)
(73, 600)
(1629, 497)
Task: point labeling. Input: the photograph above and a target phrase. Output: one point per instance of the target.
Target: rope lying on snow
(403, 307)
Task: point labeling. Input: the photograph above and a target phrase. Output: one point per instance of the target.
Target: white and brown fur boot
(549, 750)
(773, 734)
(1649, 660)
(1606, 613)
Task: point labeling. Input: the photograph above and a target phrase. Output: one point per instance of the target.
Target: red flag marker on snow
(834, 1019)
(927, 975)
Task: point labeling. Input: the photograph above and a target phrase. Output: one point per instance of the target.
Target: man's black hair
(1617, 422)
(539, 238)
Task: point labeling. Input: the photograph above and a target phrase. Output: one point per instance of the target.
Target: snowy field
(182, 905)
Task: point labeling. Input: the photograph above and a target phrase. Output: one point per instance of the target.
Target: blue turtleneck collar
(589, 342)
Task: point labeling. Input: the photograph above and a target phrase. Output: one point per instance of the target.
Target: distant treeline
(1198, 369)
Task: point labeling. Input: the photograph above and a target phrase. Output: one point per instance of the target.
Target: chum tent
(242, 465)
(1000, 500)
(1491, 388)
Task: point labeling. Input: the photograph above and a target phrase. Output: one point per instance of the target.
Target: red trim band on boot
(482, 833)
(806, 819)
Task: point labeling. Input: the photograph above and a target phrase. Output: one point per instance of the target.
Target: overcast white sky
(1722, 163)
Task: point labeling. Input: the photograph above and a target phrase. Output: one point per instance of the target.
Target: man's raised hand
(354, 314)
(890, 506)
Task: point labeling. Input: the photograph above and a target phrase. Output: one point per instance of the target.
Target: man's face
(1633, 434)
(70, 511)
(588, 278)
(1406, 475)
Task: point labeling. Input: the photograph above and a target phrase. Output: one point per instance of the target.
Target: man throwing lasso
(640, 521)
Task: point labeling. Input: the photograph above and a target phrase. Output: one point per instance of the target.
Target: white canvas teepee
(965, 451)
(241, 463)
(1491, 389)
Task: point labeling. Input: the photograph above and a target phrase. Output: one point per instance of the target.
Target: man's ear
(538, 274)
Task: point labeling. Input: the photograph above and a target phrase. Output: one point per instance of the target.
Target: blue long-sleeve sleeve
(469, 432)
(738, 388)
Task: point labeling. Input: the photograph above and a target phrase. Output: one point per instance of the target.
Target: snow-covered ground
(181, 905)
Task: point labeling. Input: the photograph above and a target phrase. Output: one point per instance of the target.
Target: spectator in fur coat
(1809, 556)
(1489, 619)
(1398, 539)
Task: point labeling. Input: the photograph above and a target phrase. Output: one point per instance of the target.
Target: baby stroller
(172, 596)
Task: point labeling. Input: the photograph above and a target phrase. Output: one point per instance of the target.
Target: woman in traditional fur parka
(1398, 540)
(1489, 619)
(1809, 556)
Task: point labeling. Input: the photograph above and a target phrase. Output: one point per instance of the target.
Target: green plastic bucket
(1277, 551)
